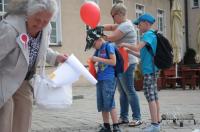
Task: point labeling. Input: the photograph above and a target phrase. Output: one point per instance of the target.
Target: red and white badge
(24, 39)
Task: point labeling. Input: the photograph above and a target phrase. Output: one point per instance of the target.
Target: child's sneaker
(103, 129)
(152, 128)
(121, 121)
(116, 128)
(134, 123)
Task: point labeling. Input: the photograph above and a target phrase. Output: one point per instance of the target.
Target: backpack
(119, 67)
(163, 57)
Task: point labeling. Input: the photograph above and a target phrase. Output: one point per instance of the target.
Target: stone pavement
(82, 116)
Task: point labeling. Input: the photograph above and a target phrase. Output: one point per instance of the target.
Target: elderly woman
(124, 31)
(24, 33)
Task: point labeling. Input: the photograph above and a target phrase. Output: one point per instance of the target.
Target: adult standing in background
(24, 40)
(124, 31)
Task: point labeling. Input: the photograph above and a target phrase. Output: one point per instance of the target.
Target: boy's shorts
(150, 87)
(105, 95)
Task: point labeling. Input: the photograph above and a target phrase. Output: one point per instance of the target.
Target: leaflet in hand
(70, 71)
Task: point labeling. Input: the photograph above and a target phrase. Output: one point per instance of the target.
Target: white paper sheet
(74, 62)
(70, 71)
(65, 74)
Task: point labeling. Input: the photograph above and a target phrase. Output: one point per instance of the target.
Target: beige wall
(151, 6)
(73, 29)
(193, 20)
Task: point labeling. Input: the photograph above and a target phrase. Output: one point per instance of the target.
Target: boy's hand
(129, 51)
(95, 59)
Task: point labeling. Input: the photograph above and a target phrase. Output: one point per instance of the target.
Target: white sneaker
(152, 128)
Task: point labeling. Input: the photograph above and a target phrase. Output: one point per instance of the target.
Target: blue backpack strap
(148, 46)
(150, 50)
(107, 50)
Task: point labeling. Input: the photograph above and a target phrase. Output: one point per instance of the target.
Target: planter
(139, 84)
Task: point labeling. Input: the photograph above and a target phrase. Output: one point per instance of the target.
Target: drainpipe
(170, 1)
(186, 24)
(171, 5)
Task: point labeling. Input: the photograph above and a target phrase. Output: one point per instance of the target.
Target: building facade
(193, 8)
(69, 31)
(74, 30)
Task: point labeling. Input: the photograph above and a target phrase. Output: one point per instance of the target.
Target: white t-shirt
(130, 36)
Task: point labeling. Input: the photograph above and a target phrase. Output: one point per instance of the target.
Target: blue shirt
(105, 71)
(146, 58)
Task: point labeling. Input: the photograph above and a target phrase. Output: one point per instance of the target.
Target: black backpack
(119, 67)
(163, 57)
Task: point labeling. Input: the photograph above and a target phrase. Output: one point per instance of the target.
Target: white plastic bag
(196, 130)
(48, 96)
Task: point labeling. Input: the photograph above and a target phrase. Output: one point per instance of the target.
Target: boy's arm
(110, 61)
(135, 48)
(137, 54)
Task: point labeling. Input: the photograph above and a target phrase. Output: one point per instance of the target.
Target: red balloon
(90, 13)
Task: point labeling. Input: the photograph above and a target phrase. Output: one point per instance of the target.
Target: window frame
(2, 5)
(58, 29)
(164, 21)
(140, 12)
(96, 1)
(193, 6)
(115, 1)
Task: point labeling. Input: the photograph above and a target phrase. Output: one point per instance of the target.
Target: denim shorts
(105, 95)
(150, 87)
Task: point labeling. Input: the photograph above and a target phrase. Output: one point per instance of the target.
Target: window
(161, 22)
(117, 1)
(55, 23)
(96, 1)
(195, 3)
(139, 10)
(3, 6)
(56, 33)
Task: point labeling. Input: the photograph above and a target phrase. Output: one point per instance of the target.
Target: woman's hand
(61, 58)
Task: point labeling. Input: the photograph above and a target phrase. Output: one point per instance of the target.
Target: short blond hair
(119, 8)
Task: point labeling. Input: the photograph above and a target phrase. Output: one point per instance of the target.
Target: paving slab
(82, 116)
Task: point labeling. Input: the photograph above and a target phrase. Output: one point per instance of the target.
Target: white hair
(35, 6)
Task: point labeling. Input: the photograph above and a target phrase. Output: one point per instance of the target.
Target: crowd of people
(18, 64)
(123, 34)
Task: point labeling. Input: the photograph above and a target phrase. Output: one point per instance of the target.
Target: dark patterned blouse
(33, 47)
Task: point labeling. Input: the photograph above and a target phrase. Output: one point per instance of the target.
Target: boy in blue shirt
(148, 42)
(105, 56)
